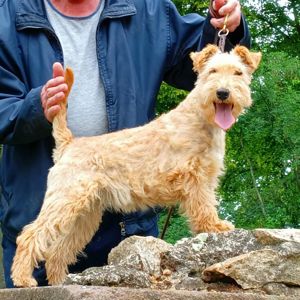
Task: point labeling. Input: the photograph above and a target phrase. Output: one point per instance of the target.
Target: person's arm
(26, 116)
(192, 33)
(22, 118)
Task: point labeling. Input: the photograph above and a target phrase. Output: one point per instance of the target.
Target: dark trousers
(108, 236)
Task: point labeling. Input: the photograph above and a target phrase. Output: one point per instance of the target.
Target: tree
(275, 25)
(261, 187)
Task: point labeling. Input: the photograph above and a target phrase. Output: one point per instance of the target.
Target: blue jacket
(140, 44)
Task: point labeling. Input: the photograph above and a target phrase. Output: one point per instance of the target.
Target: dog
(177, 157)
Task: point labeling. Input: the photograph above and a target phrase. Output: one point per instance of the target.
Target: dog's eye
(211, 71)
(238, 73)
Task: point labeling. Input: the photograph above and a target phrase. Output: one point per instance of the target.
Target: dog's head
(223, 82)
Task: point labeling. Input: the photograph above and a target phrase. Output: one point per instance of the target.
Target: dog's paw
(224, 226)
(55, 280)
(219, 226)
(24, 282)
(55, 275)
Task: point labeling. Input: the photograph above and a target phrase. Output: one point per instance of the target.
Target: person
(120, 51)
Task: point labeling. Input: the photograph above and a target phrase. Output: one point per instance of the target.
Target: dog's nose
(222, 94)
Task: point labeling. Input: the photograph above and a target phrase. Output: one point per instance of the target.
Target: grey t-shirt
(86, 115)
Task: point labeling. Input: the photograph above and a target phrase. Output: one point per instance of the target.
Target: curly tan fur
(176, 158)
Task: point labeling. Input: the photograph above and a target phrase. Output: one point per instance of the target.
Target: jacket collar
(32, 12)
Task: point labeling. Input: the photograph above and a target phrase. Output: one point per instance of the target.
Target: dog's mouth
(224, 117)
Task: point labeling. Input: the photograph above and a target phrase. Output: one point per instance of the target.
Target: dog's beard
(218, 113)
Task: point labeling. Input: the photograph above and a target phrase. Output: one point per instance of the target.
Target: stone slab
(109, 293)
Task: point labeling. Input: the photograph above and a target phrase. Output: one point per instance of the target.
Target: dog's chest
(218, 145)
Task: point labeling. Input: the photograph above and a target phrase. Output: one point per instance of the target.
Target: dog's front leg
(200, 208)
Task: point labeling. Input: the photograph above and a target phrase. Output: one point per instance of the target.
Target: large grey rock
(190, 256)
(134, 263)
(111, 276)
(256, 269)
(276, 236)
(241, 261)
(195, 254)
(140, 253)
(281, 289)
(277, 262)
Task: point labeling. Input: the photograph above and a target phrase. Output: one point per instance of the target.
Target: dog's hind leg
(26, 257)
(66, 223)
(82, 218)
(65, 250)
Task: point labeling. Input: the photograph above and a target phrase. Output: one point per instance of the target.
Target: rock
(140, 253)
(110, 276)
(190, 256)
(257, 268)
(194, 254)
(184, 255)
(120, 293)
(276, 236)
(282, 289)
(261, 261)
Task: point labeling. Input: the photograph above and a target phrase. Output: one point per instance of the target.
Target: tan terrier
(176, 158)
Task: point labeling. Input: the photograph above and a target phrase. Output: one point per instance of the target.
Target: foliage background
(261, 187)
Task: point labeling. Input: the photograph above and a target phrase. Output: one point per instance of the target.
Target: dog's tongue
(224, 117)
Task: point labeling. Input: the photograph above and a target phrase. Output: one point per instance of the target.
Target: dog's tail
(61, 133)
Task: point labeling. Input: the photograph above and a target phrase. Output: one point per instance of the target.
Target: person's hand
(231, 7)
(54, 92)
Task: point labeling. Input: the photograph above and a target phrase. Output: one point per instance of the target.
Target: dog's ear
(69, 77)
(200, 58)
(251, 59)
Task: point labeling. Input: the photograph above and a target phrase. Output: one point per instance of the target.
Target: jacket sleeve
(189, 33)
(21, 114)
(22, 119)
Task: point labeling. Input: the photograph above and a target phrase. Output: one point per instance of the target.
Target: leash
(170, 213)
(222, 34)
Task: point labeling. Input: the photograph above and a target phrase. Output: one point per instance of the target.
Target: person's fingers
(54, 82)
(52, 105)
(52, 112)
(55, 100)
(217, 4)
(43, 97)
(50, 86)
(58, 70)
(233, 21)
(51, 91)
(217, 23)
(229, 7)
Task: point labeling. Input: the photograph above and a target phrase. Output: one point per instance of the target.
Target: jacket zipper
(123, 229)
(101, 66)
